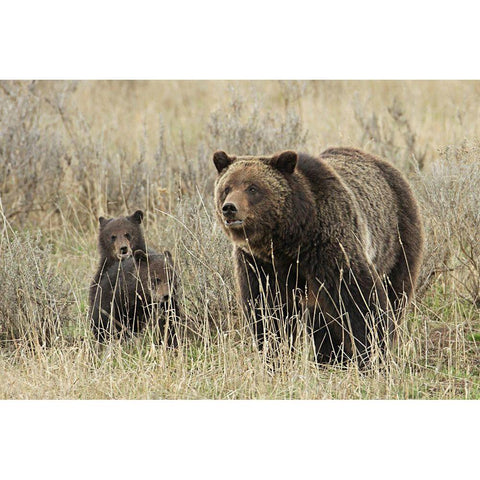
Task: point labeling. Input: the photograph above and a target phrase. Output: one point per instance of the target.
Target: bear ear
(285, 162)
(137, 217)
(139, 255)
(221, 161)
(103, 221)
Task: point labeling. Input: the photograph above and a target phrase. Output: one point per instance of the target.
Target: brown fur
(135, 291)
(118, 238)
(340, 234)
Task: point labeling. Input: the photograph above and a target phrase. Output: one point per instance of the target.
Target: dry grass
(71, 151)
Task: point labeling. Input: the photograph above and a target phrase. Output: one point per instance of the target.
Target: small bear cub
(118, 238)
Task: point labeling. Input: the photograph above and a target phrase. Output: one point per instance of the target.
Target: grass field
(72, 151)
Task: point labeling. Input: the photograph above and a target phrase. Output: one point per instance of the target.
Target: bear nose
(123, 250)
(165, 298)
(229, 208)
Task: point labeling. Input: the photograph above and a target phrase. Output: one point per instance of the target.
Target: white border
(187, 39)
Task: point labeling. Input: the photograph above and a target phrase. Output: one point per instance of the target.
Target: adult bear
(339, 236)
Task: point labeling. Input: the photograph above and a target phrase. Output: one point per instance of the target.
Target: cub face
(119, 237)
(156, 277)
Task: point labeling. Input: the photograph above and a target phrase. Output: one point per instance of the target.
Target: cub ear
(285, 162)
(137, 217)
(139, 255)
(221, 160)
(103, 221)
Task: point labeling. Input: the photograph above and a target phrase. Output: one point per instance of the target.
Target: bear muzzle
(230, 212)
(124, 252)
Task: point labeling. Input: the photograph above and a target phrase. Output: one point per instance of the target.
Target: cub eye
(128, 236)
(113, 237)
(227, 190)
(252, 189)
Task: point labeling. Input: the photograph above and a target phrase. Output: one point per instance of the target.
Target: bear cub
(118, 238)
(137, 292)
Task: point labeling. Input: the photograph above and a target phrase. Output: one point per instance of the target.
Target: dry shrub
(391, 135)
(449, 196)
(53, 166)
(33, 299)
(248, 127)
(33, 157)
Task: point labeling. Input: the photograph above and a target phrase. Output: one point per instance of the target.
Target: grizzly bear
(336, 240)
(135, 292)
(118, 238)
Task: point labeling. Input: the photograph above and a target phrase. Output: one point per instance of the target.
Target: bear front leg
(109, 315)
(322, 321)
(255, 280)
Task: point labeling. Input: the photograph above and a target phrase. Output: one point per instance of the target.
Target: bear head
(156, 280)
(120, 237)
(251, 197)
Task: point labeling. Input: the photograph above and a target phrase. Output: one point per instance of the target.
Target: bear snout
(229, 210)
(124, 251)
(230, 214)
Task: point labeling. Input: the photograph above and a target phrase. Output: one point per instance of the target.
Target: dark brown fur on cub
(133, 293)
(339, 236)
(118, 238)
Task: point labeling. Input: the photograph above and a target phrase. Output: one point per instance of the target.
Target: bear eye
(227, 190)
(128, 236)
(114, 237)
(252, 189)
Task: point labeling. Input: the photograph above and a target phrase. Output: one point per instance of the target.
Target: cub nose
(165, 298)
(123, 250)
(229, 209)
